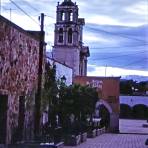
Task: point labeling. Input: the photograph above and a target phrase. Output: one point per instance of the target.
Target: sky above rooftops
(116, 31)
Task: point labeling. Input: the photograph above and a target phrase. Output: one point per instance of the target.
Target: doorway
(3, 118)
(105, 117)
(21, 118)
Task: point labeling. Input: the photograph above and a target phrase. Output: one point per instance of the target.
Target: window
(60, 35)
(71, 16)
(70, 35)
(63, 16)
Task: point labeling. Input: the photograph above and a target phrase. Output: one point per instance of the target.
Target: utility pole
(10, 14)
(40, 72)
(10, 11)
(105, 70)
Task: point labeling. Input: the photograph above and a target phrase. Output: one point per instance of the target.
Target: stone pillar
(65, 36)
(114, 123)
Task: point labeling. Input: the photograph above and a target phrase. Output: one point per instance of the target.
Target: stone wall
(19, 58)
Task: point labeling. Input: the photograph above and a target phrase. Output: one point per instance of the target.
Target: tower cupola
(67, 11)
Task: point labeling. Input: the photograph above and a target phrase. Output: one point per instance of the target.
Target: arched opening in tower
(71, 16)
(62, 16)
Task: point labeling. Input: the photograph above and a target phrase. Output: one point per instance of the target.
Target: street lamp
(63, 79)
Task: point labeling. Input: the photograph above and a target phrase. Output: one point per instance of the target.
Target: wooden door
(3, 118)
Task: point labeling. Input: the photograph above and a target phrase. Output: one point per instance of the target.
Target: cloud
(140, 8)
(21, 19)
(121, 57)
(93, 37)
(114, 12)
(114, 71)
(116, 41)
(33, 7)
(102, 19)
(112, 30)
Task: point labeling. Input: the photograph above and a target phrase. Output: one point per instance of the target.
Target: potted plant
(78, 101)
(72, 136)
(91, 130)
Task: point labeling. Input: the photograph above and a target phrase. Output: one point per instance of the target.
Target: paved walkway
(133, 126)
(114, 141)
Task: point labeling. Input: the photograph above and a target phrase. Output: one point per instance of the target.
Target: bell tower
(68, 45)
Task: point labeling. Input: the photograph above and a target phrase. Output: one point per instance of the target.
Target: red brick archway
(108, 92)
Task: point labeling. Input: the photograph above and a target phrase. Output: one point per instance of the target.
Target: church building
(69, 49)
(68, 41)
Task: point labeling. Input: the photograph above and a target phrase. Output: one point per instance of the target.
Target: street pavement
(135, 138)
(133, 126)
(114, 141)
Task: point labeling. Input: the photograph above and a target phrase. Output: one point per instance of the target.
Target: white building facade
(62, 71)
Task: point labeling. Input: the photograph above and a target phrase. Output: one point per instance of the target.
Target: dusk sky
(116, 31)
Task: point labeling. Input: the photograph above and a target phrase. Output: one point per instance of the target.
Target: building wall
(69, 56)
(62, 70)
(19, 58)
(108, 88)
(134, 100)
(108, 93)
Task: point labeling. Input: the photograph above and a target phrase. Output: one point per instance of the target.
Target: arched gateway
(108, 92)
(110, 118)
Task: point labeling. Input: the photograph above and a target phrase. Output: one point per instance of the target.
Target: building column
(85, 72)
(65, 36)
(114, 122)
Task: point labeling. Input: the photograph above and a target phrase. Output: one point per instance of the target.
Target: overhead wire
(115, 34)
(24, 12)
(27, 3)
(36, 9)
(135, 62)
(125, 46)
(113, 57)
(50, 16)
(111, 33)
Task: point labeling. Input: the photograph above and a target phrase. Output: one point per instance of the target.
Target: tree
(78, 101)
(143, 86)
(50, 91)
(126, 87)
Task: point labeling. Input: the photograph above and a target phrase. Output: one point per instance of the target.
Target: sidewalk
(133, 126)
(114, 141)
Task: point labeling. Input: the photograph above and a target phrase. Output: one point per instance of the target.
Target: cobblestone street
(115, 141)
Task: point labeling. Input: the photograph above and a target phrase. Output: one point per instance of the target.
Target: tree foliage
(78, 101)
(130, 87)
(67, 101)
(50, 91)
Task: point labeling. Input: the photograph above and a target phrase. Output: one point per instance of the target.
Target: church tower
(68, 40)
